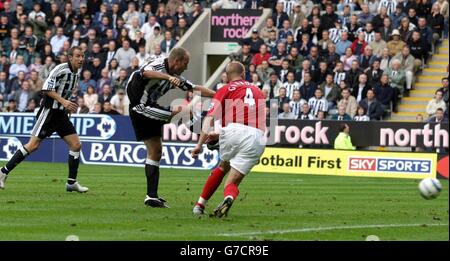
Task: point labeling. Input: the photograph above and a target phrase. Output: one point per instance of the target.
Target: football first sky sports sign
(348, 163)
(230, 25)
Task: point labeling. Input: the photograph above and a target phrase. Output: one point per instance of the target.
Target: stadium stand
(116, 36)
(401, 36)
(370, 38)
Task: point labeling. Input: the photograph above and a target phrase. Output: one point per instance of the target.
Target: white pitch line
(313, 229)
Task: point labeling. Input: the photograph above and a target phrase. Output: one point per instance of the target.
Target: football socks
(74, 162)
(152, 174)
(18, 157)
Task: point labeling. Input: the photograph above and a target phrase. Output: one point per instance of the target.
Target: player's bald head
(178, 60)
(235, 69)
(178, 54)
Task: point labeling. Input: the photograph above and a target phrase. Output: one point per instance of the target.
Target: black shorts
(49, 121)
(145, 128)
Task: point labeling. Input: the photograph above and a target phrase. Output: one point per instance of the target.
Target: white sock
(202, 201)
(229, 197)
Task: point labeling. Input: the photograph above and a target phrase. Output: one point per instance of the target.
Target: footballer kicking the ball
(145, 87)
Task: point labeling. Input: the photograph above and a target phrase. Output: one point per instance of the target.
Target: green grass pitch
(35, 206)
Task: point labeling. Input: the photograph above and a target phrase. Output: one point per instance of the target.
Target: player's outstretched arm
(205, 92)
(162, 76)
(70, 106)
(206, 128)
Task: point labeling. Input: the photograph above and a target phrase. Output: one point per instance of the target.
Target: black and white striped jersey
(288, 6)
(317, 105)
(146, 92)
(62, 79)
(335, 33)
(290, 88)
(296, 107)
(390, 6)
(368, 36)
(338, 77)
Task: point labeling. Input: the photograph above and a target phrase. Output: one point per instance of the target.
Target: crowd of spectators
(117, 36)
(341, 60)
(437, 108)
(318, 59)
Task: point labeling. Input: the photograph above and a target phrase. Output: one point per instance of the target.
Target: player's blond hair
(72, 50)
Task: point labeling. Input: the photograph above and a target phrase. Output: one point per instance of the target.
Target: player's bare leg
(73, 141)
(154, 152)
(230, 192)
(18, 157)
(211, 185)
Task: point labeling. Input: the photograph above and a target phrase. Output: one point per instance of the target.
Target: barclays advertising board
(175, 155)
(119, 153)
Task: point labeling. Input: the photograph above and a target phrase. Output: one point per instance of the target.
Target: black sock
(18, 157)
(74, 161)
(152, 174)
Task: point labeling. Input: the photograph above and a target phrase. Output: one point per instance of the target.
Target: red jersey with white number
(239, 102)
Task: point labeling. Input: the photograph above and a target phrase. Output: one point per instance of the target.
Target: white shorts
(242, 146)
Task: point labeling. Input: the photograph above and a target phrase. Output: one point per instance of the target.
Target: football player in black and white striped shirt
(336, 32)
(53, 117)
(145, 87)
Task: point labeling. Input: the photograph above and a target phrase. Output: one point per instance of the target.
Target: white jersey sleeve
(154, 65)
(51, 81)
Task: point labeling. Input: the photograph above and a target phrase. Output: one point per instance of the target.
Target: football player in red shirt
(241, 107)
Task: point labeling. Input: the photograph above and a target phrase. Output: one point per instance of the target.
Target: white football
(430, 188)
